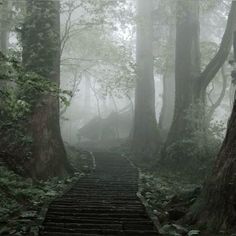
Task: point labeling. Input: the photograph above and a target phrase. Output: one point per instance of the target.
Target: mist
(117, 117)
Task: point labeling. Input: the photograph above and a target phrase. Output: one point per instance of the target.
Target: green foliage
(159, 189)
(21, 201)
(162, 192)
(198, 150)
(19, 93)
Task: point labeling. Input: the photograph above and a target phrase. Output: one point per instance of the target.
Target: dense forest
(117, 117)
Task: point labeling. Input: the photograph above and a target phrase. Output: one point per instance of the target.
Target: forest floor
(169, 195)
(169, 199)
(23, 203)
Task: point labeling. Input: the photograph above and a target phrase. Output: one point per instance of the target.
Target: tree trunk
(209, 73)
(87, 94)
(144, 133)
(216, 207)
(167, 111)
(5, 26)
(187, 67)
(191, 83)
(5, 9)
(41, 55)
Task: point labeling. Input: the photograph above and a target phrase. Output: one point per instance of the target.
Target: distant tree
(92, 45)
(144, 134)
(168, 71)
(41, 56)
(191, 82)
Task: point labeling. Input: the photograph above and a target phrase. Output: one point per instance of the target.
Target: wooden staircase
(104, 203)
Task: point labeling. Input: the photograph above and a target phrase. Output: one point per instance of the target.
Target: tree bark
(41, 55)
(216, 207)
(144, 133)
(187, 67)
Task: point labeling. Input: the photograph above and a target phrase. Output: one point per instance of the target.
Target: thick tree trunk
(41, 55)
(216, 207)
(187, 67)
(144, 133)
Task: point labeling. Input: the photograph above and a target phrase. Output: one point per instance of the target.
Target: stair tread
(103, 203)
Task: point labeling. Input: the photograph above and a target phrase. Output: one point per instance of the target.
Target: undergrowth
(22, 201)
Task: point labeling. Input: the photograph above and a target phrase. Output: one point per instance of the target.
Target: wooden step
(103, 203)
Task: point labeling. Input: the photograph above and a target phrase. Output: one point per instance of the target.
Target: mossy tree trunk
(41, 55)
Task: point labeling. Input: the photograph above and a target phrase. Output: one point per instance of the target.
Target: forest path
(103, 203)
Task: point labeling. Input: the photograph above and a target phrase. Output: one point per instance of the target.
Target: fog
(98, 62)
(117, 117)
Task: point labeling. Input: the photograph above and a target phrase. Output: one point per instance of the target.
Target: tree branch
(226, 44)
(221, 97)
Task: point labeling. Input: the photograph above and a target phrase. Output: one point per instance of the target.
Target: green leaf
(194, 232)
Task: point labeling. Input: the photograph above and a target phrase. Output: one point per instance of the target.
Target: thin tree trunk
(5, 26)
(93, 88)
(5, 15)
(87, 93)
(167, 111)
(41, 55)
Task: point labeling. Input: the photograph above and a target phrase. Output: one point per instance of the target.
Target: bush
(196, 153)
